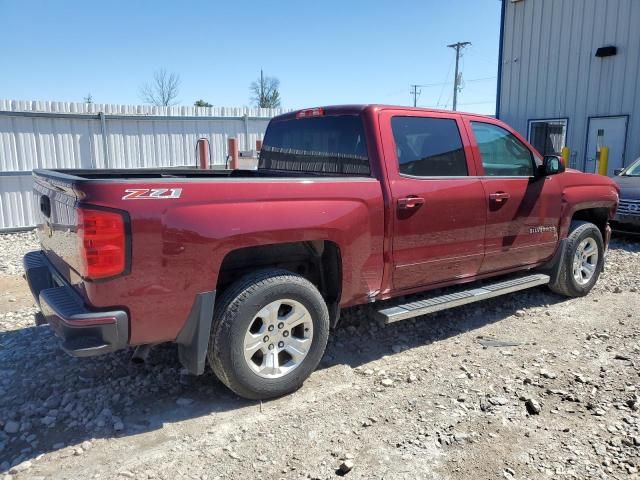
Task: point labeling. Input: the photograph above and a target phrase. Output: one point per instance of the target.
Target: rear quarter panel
(179, 244)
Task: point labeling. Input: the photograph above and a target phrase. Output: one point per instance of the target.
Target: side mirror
(551, 165)
(618, 171)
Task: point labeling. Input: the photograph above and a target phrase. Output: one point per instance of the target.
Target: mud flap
(193, 339)
(552, 267)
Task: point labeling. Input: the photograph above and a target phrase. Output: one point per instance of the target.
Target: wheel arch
(319, 261)
(596, 212)
(599, 216)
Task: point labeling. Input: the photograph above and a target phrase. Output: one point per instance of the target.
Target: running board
(432, 303)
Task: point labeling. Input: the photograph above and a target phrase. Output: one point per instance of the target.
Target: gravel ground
(12, 248)
(530, 385)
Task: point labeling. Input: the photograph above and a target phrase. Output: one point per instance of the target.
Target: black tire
(234, 313)
(565, 283)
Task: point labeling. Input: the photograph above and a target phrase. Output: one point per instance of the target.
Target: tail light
(102, 243)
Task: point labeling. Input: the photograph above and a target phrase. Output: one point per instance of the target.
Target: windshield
(333, 144)
(634, 169)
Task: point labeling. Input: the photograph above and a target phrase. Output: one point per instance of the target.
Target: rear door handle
(499, 196)
(410, 202)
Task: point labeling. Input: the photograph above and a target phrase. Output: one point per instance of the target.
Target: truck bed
(169, 173)
(177, 240)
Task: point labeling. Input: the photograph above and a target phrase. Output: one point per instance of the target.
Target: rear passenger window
(502, 153)
(429, 147)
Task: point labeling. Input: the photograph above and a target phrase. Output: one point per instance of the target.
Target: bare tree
(88, 98)
(163, 91)
(265, 92)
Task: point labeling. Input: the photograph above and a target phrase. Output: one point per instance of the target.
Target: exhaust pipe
(140, 354)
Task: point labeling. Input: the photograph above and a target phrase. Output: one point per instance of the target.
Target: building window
(548, 136)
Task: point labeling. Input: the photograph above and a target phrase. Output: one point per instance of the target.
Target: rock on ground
(417, 399)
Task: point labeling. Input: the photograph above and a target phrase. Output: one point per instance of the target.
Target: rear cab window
(428, 147)
(331, 145)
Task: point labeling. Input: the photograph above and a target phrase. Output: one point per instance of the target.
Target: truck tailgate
(56, 223)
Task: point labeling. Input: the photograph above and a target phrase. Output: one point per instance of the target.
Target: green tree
(201, 103)
(88, 98)
(265, 92)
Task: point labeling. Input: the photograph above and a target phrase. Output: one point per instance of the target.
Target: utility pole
(261, 88)
(415, 92)
(456, 80)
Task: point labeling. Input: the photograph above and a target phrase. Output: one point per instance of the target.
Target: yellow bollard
(604, 161)
(565, 153)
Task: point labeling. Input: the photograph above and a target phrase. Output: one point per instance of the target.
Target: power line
(416, 92)
(456, 78)
(478, 103)
(445, 82)
(492, 61)
(447, 102)
(483, 79)
(460, 104)
(394, 92)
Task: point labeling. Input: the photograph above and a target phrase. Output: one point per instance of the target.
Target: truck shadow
(55, 401)
(628, 242)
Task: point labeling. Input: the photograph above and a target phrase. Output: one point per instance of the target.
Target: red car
(247, 270)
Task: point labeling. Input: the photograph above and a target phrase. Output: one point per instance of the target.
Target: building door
(610, 132)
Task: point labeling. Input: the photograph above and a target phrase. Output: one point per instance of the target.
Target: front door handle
(410, 202)
(499, 196)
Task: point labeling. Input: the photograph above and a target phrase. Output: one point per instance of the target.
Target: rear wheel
(269, 333)
(583, 261)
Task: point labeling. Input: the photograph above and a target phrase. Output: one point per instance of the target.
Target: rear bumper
(84, 332)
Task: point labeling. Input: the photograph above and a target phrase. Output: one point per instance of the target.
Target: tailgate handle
(45, 205)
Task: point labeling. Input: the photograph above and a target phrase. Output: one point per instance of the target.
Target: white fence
(79, 135)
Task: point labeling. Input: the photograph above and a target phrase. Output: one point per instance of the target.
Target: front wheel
(270, 330)
(583, 261)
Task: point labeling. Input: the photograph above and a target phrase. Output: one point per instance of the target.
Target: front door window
(503, 155)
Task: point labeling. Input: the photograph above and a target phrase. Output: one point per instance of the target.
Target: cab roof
(357, 109)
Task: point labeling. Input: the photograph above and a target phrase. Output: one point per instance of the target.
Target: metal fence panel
(35, 134)
(16, 202)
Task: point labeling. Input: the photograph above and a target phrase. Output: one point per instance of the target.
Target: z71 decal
(151, 193)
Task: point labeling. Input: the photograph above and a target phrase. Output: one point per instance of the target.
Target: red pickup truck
(247, 270)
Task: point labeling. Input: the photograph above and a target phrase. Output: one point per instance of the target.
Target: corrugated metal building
(79, 135)
(568, 75)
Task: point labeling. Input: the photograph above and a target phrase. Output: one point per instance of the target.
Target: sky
(324, 52)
